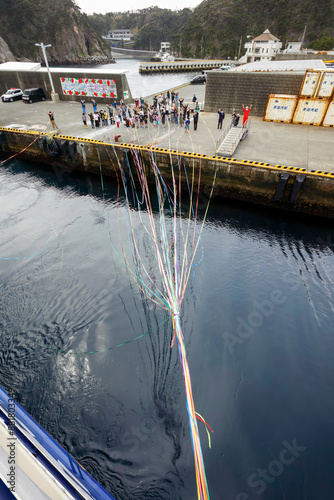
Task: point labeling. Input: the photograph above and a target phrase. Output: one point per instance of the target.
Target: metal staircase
(230, 139)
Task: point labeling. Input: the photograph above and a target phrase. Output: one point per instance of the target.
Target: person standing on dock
(91, 117)
(83, 105)
(52, 119)
(105, 118)
(246, 111)
(195, 120)
(221, 116)
(94, 106)
(111, 113)
(97, 119)
(194, 98)
(84, 119)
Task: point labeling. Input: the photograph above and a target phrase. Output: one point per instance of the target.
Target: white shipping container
(310, 82)
(310, 111)
(329, 118)
(327, 85)
(280, 108)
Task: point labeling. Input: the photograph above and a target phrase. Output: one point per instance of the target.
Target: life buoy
(52, 148)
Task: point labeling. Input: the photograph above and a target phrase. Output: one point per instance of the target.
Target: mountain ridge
(215, 27)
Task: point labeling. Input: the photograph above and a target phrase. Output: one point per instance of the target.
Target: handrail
(237, 139)
(223, 135)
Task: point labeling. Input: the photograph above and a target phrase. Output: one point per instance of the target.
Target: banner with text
(94, 87)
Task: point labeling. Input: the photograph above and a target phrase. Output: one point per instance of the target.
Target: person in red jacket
(246, 111)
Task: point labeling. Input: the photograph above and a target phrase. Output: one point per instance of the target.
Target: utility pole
(43, 47)
(202, 47)
(239, 51)
(303, 37)
(181, 46)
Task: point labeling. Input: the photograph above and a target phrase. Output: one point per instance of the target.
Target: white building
(164, 47)
(262, 48)
(119, 35)
(292, 48)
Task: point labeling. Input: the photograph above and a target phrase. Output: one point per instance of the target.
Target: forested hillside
(215, 27)
(59, 22)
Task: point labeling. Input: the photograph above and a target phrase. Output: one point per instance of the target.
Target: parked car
(226, 67)
(12, 95)
(33, 95)
(198, 79)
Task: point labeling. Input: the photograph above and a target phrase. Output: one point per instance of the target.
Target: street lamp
(46, 62)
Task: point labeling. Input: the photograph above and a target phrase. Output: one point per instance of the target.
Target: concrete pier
(179, 66)
(277, 165)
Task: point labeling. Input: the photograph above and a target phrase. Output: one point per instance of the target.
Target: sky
(103, 6)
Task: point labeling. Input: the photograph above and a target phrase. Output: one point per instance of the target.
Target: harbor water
(257, 320)
(258, 325)
(145, 85)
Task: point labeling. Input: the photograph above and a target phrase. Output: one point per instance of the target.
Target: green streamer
(103, 350)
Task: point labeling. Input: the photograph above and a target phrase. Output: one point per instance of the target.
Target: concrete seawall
(229, 90)
(142, 54)
(276, 186)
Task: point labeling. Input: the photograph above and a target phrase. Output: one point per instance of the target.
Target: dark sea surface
(258, 325)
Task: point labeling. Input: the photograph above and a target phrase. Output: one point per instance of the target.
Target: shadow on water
(258, 324)
(238, 215)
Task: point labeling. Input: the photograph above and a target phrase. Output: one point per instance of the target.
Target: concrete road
(303, 146)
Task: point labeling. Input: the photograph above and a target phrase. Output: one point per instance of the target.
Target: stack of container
(314, 98)
(313, 106)
(329, 117)
(280, 108)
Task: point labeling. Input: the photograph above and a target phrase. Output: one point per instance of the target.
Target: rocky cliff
(57, 22)
(5, 53)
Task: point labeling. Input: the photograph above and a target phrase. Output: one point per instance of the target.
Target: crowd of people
(166, 109)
